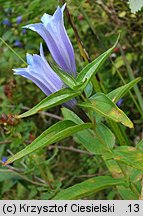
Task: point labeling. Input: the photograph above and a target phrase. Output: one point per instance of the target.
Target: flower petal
(29, 59)
(40, 72)
(53, 32)
(51, 78)
(51, 43)
(23, 72)
(46, 18)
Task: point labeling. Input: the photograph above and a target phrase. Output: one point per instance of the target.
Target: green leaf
(88, 90)
(129, 155)
(53, 134)
(52, 100)
(91, 69)
(113, 166)
(127, 193)
(70, 115)
(118, 93)
(136, 178)
(81, 85)
(135, 5)
(101, 104)
(65, 77)
(88, 187)
(69, 80)
(134, 174)
(96, 143)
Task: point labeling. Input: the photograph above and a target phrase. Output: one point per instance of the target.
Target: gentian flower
(17, 43)
(19, 19)
(40, 72)
(4, 159)
(53, 32)
(6, 22)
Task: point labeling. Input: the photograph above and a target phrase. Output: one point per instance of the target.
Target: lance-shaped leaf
(65, 77)
(70, 80)
(97, 142)
(88, 187)
(101, 104)
(128, 155)
(126, 193)
(53, 134)
(91, 69)
(52, 100)
(118, 93)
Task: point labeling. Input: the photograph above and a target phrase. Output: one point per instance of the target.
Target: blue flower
(38, 69)
(24, 31)
(53, 32)
(40, 72)
(4, 159)
(19, 19)
(17, 43)
(119, 102)
(6, 22)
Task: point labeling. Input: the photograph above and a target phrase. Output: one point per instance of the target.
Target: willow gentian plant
(64, 84)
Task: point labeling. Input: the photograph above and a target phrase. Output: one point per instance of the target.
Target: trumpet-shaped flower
(40, 72)
(53, 32)
(38, 69)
